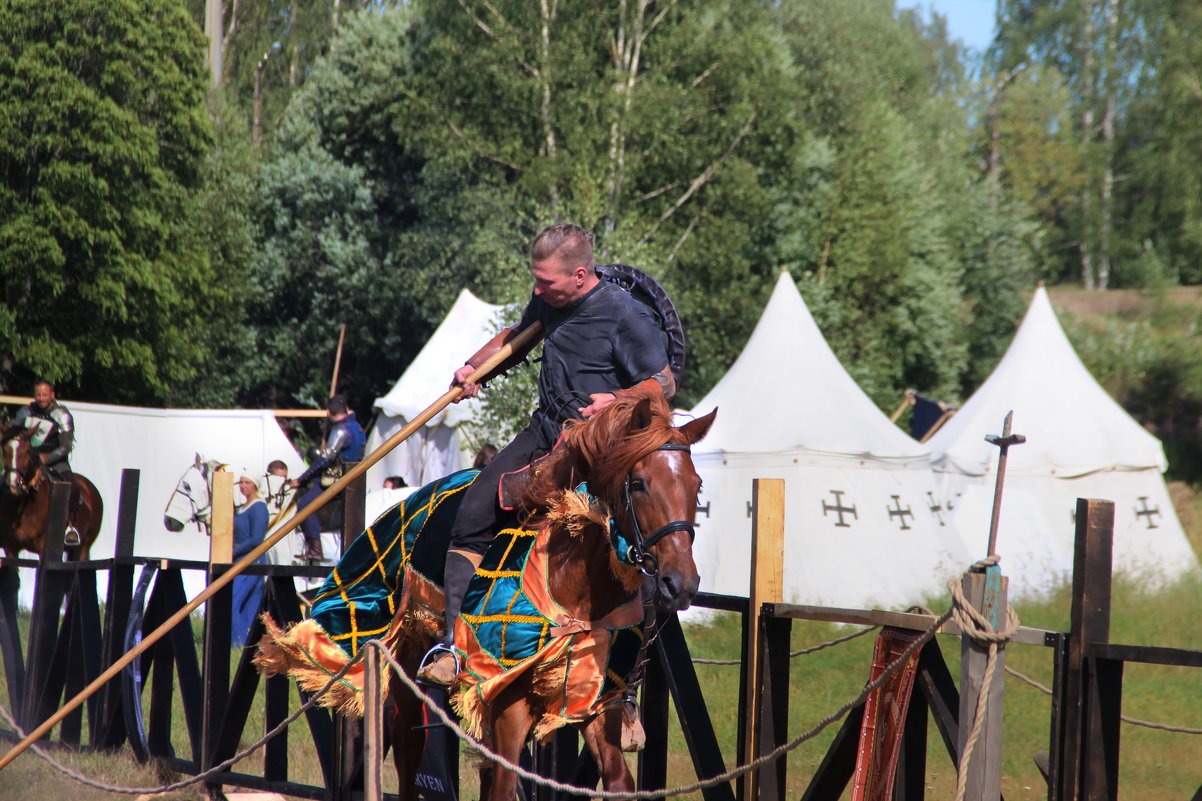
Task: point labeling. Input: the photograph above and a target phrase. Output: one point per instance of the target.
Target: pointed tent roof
(469, 324)
(1073, 427)
(787, 390)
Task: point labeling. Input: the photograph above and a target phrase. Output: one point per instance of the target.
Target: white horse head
(191, 500)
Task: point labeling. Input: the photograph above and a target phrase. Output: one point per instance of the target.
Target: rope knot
(973, 624)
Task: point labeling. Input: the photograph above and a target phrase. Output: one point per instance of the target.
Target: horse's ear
(640, 415)
(199, 460)
(694, 430)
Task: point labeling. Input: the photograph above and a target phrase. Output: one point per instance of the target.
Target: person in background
(344, 446)
(250, 526)
(277, 468)
(53, 436)
(395, 482)
(484, 456)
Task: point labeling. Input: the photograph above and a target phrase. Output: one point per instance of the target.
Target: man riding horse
(344, 446)
(599, 342)
(51, 430)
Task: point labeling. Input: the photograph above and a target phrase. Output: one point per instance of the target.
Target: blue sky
(968, 20)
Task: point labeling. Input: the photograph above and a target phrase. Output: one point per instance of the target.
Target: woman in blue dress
(250, 526)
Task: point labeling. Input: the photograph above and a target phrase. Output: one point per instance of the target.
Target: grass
(1153, 764)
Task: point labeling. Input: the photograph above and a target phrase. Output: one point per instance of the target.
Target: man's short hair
(337, 405)
(571, 243)
(276, 464)
(42, 381)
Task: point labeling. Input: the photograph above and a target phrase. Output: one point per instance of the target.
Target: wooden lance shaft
(528, 336)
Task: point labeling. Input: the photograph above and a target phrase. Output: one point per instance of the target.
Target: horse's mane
(603, 449)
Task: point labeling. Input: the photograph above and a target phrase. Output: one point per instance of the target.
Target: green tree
(102, 147)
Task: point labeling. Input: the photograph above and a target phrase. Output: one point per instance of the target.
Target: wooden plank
(986, 592)
(109, 730)
(767, 586)
(373, 728)
(354, 502)
(221, 546)
(653, 711)
(1026, 635)
(21, 400)
(1104, 680)
(1090, 623)
(774, 710)
(1145, 654)
(10, 636)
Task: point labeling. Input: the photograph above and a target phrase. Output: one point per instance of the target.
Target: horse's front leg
(603, 736)
(510, 727)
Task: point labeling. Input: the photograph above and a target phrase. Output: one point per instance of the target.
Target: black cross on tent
(935, 508)
(839, 509)
(899, 512)
(1146, 512)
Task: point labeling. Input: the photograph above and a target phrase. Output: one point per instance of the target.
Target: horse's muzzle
(674, 591)
(171, 524)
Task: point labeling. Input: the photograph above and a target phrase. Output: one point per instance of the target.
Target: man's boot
(313, 550)
(441, 665)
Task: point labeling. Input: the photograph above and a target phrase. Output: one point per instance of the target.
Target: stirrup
(431, 659)
(71, 537)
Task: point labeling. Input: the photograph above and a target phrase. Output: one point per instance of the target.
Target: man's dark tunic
(602, 342)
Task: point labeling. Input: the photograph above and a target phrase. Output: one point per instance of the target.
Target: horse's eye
(184, 484)
(637, 485)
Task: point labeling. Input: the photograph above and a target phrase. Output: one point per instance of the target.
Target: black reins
(638, 553)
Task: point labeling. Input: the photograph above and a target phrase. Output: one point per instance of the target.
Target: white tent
(161, 444)
(436, 450)
(861, 523)
(1080, 443)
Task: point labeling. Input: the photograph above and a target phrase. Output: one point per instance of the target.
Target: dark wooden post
(1089, 760)
(354, 511)
(48, 593)
(348, 776)
(109, 730)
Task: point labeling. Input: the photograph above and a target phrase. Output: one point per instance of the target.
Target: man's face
(43, 395)
(555, 283)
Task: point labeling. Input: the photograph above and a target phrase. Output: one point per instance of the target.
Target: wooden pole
(221, 518)
(767, 586)
(528, 336)
(986, 591)
(337, 361)
(373, 727)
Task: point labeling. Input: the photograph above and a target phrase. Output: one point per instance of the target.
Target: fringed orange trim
(306, 654)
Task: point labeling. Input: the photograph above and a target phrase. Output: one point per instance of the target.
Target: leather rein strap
(639, 552)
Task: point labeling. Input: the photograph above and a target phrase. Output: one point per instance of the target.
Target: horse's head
(190, 500)
(20, 466)
(640, 466)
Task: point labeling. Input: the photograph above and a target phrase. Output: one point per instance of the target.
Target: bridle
(21, 483)
(200, 514)
(639, 551)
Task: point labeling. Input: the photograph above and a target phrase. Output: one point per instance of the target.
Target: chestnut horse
(639, 470)
(25, 504)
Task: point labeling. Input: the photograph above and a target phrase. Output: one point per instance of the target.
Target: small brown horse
(640, 469)
(25, 504)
